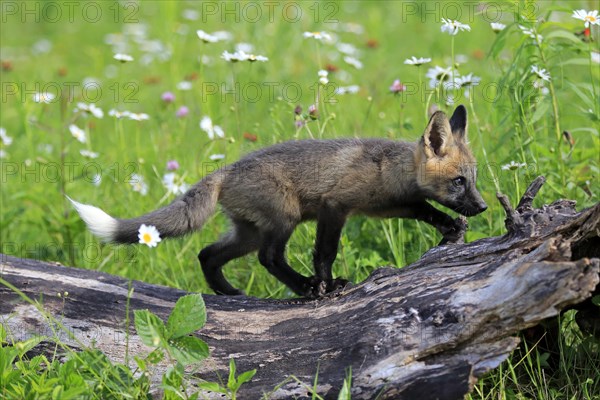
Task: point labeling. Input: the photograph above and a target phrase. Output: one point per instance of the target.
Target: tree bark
(427, 330)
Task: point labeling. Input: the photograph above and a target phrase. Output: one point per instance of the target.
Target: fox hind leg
(272, 256)
(242, 239)
(330, 222)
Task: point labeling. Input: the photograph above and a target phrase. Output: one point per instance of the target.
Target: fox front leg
(330, 221)
(452, 230)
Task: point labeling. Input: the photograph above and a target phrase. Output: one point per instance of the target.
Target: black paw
(315, 288)
(455, 233)
(336, 284)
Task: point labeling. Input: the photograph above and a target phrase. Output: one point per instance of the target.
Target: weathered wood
(428, 330)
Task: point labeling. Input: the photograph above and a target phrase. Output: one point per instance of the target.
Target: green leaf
(156, 356)
(188, 316)
(576, 61)
(188, 349)
(499, 43)
(345, 392)
(57, 392)
(245, 377)
(231, 379)
(212, 387)
(149, 327)
(560, 34)
(541, 110)
(172, 381)
(141, 363)
(24, 347)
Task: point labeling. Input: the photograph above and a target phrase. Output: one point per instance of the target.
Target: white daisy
(513, 165)
(216, 157)
(351, 27)
(45, 147)
(88, 153)
(355, 62)
(42, 46)
(541, 73)
(43, 97)
(184, 85)
(78, 133)
(174, 184)
(118, 114)
(138, 185)
(532, 34)
(149, 235)
(438, 75)
(123, 57)
(468, 80)
(452, 27)
(139, 116)
(417, 61)
(96, 180)
(234, 57)
(347, 48)
(497, 26)
(7, 140)
(253, 57)
(589, 17)
(223, 35)
(211, 130)
(323, 77)
(347, 89)
(318, 35)
(190, 15)
(244, 47)
(206, 37)
(90, 109)
(461, 59)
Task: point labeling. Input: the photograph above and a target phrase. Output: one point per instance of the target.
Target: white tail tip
(98, 222)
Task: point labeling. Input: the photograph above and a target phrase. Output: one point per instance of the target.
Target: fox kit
(269, 192)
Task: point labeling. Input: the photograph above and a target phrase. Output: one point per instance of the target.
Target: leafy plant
(233, 382)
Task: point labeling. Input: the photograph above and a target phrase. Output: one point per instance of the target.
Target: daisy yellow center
(590, 18)
(147, 238)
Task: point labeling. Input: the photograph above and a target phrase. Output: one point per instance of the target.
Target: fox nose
(481, 208)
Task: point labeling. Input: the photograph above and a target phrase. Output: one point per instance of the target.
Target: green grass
(510, 120)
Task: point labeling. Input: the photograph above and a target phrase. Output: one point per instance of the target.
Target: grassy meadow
(124, 104)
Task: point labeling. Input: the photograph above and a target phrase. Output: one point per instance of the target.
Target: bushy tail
(185, 214)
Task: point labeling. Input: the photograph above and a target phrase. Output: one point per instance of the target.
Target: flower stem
(453, 63)
(485, 156)
(421, 87)
(237, 103)
(594, 93)
(556, 121)
(518, 191)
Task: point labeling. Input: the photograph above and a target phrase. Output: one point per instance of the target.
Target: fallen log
(427, 330)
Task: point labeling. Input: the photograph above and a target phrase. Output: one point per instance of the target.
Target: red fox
(269, 192)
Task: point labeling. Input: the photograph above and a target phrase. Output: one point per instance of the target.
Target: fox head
(447, 170)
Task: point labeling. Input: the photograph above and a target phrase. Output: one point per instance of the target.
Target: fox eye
(460, 181)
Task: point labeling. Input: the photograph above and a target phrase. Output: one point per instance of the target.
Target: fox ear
(437, 136)
(458, 121)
